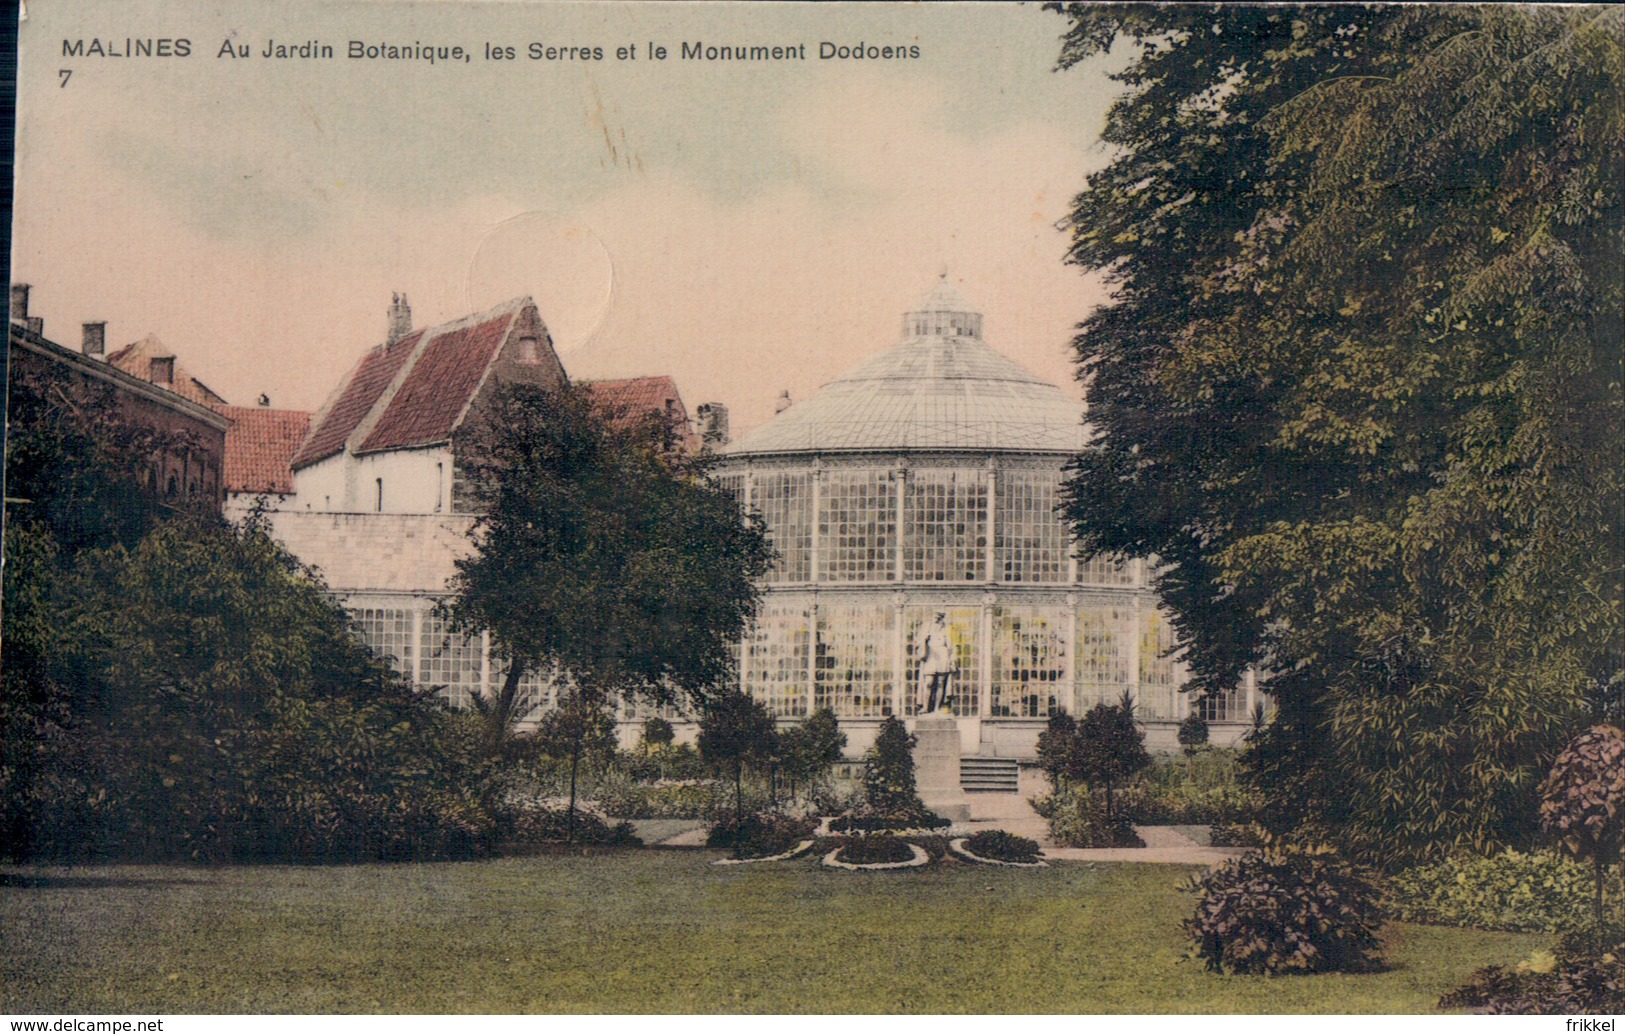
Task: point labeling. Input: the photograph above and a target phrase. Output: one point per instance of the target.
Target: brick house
(187, 473)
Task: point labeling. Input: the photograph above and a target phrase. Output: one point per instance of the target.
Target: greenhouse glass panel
(944, 526)
(852, 666)
(452, 662)
(388, 632)
(775, 670)
(1030, 542)
(856, 521)
(785, 502)
(1029, 662)
(1104, 646)
(1158, 685)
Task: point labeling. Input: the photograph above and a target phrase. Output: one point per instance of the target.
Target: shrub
(1285, 912)
(703, 799)
(1111, 747)
(1150, 804)
(1582, 802)
(1585, 975)
(875, 850)
(736, 730)
(808, 749)
(872, 822)
(657, 734)
(539, 825)
(1508, 891)
(1193, 730)
(1002, 847)
(1077, 819)
(1058, 749)
(888, 775)
(830, 798)
(759, 836)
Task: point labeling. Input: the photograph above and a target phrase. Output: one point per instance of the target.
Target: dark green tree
(807, 750)
(657, 735)
(1193, 730)
(604, 553)
(1110, 747)
(736, 730)
(1360, 388)
(1058, 749)
(216, 706)
(578, 727)
(888, 775)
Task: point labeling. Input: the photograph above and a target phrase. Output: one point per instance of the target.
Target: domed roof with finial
(941, 388)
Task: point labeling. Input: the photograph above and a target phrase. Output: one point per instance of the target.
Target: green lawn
(656, 931)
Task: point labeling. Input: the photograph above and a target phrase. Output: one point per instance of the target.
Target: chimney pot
(95, 341)
(19, 303)
(400, 317)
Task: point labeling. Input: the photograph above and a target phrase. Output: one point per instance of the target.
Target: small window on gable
(528, 352)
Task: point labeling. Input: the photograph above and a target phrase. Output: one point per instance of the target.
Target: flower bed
(920, 822)
(794, 852)
(877, 852)
(996, 847)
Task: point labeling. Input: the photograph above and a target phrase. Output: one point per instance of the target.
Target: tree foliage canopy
(603, 552)
(1361, 386)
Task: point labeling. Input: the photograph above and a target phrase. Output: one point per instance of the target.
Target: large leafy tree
(604, 554)
(1361, 387)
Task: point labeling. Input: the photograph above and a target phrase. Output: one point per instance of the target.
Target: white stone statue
(936, 652)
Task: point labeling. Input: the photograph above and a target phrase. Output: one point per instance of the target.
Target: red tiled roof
(259, 448)
(360, 393)
(136, 359)
(439, 386)
(634, 396)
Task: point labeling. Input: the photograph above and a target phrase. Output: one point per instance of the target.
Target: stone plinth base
(936, 766)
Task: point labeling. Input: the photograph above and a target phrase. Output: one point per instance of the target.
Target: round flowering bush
(1285, 912)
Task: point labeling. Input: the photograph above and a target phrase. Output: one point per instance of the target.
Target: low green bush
(1586, 974)
(1150, 804)
(1513, 890)
(542, 825)
(1077, 818)
(1193, 731)
(1285, 912)
(875, 850)
(759, 836)
(1000, 846)
(695, 799)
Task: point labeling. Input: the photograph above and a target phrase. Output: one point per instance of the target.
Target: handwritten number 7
(66, 74)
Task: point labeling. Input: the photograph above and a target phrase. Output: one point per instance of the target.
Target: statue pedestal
(936, 766)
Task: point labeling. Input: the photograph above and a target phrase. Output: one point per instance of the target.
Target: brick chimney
(19, 303)
(95, 342)
(400, 318)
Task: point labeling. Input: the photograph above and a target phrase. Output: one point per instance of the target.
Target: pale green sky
(744, 227)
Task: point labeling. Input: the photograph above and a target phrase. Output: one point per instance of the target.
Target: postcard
(319, 251)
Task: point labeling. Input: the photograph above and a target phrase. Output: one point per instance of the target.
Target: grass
(657, 931)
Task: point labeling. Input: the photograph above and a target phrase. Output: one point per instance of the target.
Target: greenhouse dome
(922, 483)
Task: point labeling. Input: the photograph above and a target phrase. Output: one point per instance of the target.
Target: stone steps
(989, 775)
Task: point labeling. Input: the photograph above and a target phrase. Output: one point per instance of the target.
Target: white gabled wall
(414, 481)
